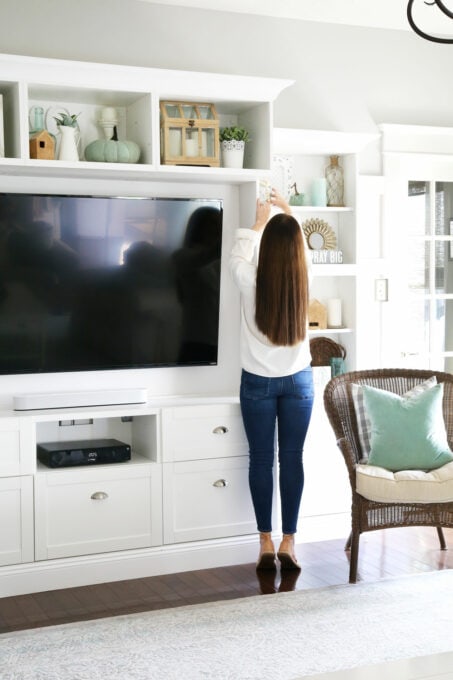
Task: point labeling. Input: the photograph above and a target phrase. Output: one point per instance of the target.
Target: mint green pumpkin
(112, 151)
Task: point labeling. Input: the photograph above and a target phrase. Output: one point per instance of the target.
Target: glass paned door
(424, 334)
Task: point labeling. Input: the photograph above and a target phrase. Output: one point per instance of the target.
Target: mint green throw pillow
(407, 433)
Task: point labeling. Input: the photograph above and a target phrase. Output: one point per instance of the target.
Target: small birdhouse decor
(317, 315)
(189, 134)
(42, 145)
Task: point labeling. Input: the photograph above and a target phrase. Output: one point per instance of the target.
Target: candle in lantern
(191, 147)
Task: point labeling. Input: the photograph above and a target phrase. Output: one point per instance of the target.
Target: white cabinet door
(16, 520)
(16, 447)
(85, 511)
(207, 499)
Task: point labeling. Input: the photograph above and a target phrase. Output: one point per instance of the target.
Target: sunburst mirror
(319, 234)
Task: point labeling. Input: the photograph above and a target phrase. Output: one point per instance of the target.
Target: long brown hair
(281, 304)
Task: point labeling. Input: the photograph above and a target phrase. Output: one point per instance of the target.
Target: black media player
(85, 452)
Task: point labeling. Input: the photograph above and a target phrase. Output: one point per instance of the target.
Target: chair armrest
(349, 458)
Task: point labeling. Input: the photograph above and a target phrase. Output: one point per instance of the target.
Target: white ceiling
(376, 13)
(387, 14)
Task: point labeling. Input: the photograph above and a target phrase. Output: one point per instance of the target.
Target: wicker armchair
(370, 515)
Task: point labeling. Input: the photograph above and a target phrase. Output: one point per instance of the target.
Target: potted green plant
(233, 140)
(67, 120)
(69, 129)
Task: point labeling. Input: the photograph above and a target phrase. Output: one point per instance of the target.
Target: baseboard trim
(60, 573)
(70, 572)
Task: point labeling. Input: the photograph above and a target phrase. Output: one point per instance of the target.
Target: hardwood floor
(390, 553)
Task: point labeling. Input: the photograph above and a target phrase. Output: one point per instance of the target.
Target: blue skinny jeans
(266, 402)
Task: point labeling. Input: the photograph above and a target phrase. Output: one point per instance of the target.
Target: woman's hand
(263, 210)
(279, 202)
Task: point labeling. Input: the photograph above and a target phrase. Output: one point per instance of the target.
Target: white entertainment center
(182, 501)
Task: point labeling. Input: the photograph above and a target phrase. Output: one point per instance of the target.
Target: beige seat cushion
(410, 486)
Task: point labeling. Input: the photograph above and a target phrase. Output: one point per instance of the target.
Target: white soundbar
(29, 402)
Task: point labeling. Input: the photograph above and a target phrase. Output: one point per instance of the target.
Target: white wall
(347, 78)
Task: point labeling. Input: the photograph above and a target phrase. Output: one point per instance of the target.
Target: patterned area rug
(281, 636)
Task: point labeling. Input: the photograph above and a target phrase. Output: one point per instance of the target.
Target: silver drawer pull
(99, 495)
(221, 429)
(220, 483)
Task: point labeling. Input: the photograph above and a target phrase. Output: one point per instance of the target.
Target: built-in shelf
(310, 209)
(128, 171)
(301, 157)
(329, 331)
(334, 269)
(135, 94)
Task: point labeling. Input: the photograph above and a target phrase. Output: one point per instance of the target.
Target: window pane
(448, 325)
(441, 270)
(172, 110)
(414, 329)
(206, 112)
(207, 142)
(418, 256)
(189, 111)
(442, 331)
(418, 219)
(440, 208)
(444, 220)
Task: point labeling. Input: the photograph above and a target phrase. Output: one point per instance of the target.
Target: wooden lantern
(42, 145)
(189, 134)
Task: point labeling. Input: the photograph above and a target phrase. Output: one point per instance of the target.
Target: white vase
(68, 144)
(233, 154)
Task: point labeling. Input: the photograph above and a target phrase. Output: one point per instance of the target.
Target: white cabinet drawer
(16, 520)
(17, 454)
(84, 511)
(207, 499)
(201, 432)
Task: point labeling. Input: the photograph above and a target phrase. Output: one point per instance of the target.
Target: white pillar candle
(191, 147)
(334, 313)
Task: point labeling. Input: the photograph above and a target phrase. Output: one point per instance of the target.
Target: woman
(276, 381)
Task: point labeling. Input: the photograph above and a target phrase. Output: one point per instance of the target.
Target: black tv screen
(98, 283)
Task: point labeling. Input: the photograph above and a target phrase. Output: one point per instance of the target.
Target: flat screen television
(98, 283)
